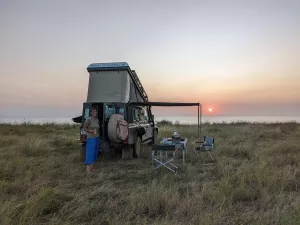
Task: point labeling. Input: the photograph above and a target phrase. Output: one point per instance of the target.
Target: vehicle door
(85, 114)
(142, 118)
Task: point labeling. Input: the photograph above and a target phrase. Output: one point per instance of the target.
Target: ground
(255, 180)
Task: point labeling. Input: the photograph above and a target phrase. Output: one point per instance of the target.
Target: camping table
(182, 145)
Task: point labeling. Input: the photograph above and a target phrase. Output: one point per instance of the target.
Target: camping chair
(161, 158)
(204, 146)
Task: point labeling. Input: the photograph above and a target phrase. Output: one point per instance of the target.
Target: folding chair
(161, 158)
(204, 146)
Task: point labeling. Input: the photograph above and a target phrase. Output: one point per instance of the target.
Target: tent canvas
(112, 85)
(108, 86)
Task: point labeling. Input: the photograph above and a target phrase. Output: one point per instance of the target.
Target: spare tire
(117, 128)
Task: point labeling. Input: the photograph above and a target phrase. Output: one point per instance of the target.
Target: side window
(140, 114)
(136, 115)
(146, 116)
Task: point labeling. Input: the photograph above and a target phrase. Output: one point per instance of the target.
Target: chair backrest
(209, 140)
(176, 140)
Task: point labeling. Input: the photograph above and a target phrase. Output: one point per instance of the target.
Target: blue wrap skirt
(92, 148)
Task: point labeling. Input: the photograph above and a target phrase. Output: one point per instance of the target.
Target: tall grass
(255, 180)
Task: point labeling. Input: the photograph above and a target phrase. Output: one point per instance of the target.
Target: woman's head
(94, 112)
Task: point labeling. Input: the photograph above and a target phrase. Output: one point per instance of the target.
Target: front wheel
(137, 148)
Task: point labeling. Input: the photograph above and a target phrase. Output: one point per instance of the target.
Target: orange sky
(238, 59)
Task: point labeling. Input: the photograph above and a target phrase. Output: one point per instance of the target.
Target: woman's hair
(93, 108)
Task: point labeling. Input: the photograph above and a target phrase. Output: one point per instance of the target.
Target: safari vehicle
(141, 129)
(111, 87)
(122, 105)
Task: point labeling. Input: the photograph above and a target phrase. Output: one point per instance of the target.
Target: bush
(164, 123)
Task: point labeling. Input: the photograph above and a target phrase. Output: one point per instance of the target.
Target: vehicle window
(136, 116)
(112, 109)
(109, 110)
(144, 114)
(86, 113)
(121, 111)
(140, 115)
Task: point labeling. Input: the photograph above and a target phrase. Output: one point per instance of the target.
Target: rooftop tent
(112, 82)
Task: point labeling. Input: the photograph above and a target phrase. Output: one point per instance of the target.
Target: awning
(77, 119)
(170, 104)
(174, 104)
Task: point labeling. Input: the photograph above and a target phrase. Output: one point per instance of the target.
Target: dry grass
(255, 180)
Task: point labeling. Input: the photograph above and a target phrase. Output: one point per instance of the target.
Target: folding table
(182, 145)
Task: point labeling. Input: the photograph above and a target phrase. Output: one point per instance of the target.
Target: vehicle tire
(137, 148)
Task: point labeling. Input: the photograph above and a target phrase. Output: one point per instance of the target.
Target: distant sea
(174, 119)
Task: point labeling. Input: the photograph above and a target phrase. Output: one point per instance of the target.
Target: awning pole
(200, 120)
(198, 125)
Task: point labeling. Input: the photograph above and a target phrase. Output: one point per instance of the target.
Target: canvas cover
(134, 95)
(112, 86)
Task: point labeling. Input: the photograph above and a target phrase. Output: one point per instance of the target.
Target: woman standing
(91, 126)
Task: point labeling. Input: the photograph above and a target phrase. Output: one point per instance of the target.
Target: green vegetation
(255, 181)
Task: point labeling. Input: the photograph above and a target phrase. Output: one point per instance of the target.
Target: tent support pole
(198, 124)
(200, 119)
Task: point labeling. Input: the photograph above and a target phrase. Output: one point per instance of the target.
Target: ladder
(139, 85)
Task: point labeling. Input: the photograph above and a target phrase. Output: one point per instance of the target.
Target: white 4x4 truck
(124, 112)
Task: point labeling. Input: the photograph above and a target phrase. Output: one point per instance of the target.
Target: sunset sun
(210, 109)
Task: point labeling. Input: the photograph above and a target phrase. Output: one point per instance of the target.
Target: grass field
(256, 179)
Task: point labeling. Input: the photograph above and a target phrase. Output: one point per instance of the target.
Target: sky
(236, 57)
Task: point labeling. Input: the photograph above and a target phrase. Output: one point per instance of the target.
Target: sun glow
(210, 109)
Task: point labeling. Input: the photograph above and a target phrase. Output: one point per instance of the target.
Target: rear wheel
(137, 148)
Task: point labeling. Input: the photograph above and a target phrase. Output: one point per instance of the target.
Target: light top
(107, 66)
